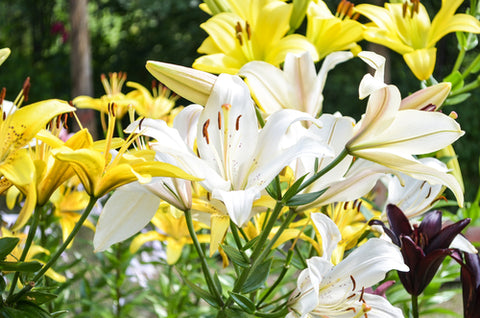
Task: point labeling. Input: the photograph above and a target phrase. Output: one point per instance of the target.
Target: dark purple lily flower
(424, 246)
(470, 276)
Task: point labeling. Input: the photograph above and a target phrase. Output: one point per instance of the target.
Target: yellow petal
(4, 53)
(143, 238)
(19, 168)
(421, 62)
(218, 229)
(174, 250)
(27, 209)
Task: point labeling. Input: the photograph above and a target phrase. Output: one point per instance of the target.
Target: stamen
(2, 95)
(205, 131)
(26, 88)
(352, 309)
(140, 123)
(345, 205)
(65, 118)
(351, 296)
(353, 282)
(429, 108)
(361, 295)
(359, 205)
(226, 106)
(429, 192)
(453, 115)
(237, 124)
(219, 120)
(248, 30)
(59, 122)
(238, 28)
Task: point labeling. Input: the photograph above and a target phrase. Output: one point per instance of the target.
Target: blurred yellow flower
(330, 33)
(406, 29)
(156, 105)
(256, 30)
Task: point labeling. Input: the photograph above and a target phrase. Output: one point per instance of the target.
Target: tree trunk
(81, 61)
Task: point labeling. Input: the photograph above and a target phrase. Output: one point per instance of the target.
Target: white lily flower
(296, 87)
(390, 136)
(236, 160)
(325, 290)
(132, 206)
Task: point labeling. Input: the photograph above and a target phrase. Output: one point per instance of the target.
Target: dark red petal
(431, 224)
(398, 221)
(412, 255)
(446, 236)
(428, 266)
(470, 274)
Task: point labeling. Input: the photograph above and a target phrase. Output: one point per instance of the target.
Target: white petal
(375, 61)
(186, 123)
(329, 233)
(238, 203)
(463, 244)
(127, 211)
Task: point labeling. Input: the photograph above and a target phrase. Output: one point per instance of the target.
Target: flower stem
(26, 248)
(28, 287)
(459, 61)
(415, 306)
(198, 248)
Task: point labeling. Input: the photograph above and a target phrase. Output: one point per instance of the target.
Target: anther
(26, 88)
(237, 124)
(361, 295)
(219, 121)
(205, 131)
(429, 108)
(359, 205)
(140, 123)
(3, 92)
(59, 122)
(353, 282)
(65, 118)
(345, 205)
(248, 30)
(352, 309)
(238, 27)
(429, 192)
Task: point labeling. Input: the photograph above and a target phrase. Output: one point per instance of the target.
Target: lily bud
(4, 53)
(432, 95)
(189, 83)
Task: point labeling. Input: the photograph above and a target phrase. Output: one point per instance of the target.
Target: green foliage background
(127, 33)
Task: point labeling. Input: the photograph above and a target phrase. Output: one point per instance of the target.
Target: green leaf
(38, 298)
(250, 244)
(20, 266)
(457, 99)
(201, 293)
(217, 283)
(305, 198)
(234, 312)
(246, 304)
(235, 256)
(293, 189)
(24, 309)
(7, 244)
(257, 277)
(273, 189)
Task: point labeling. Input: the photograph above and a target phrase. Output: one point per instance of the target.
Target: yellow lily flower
(330, 33)
(254, 31)
(34, 250)
(113, 89)
(156, 106)
(407, 30)
(68, 201)
(174, 232)
(100, 174)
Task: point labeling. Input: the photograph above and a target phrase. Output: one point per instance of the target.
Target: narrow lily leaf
(244, 303)
(201, 293)
(305, 198)
(38, 297)
(235, 256)
(292, 190)
(7, 244)
(20, 266)
(258, 276)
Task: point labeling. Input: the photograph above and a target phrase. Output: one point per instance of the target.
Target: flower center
(345, 10)
(410, 7)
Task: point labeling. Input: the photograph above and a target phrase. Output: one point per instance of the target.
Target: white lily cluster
(221, 141)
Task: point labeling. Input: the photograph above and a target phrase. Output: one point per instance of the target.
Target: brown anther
(3, 92)
(353, 282)
(423, 183)
(350, 10)
(219, 121)
(26, 88)
(65, 118)
(237, 123)
(4, 115)
(340, 6)
(239, 38)
(351, 296)
(352, 309)
(429, 108)
(70, 103)
(345, 205)
(354, 204)
(429, 192)
(59, 122)
(359, 205)
(238, 27)
(205, 131)
(140, 123)
(154, 84)
(361, 295)
(209, 196)
(114, 106)
(102, 77)
(404, 9)
(355, 16)
(248, 30)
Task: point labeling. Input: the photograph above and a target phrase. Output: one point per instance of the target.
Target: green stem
(470, 86)
(415, 306)
(322, 172)
(285, 268)
(26, 248)
(57, 254)
(203, 260)
(470, 67)
(459, 60)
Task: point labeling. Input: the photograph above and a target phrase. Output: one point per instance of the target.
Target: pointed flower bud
(432, 95)
(4, 53)
(189, 83)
